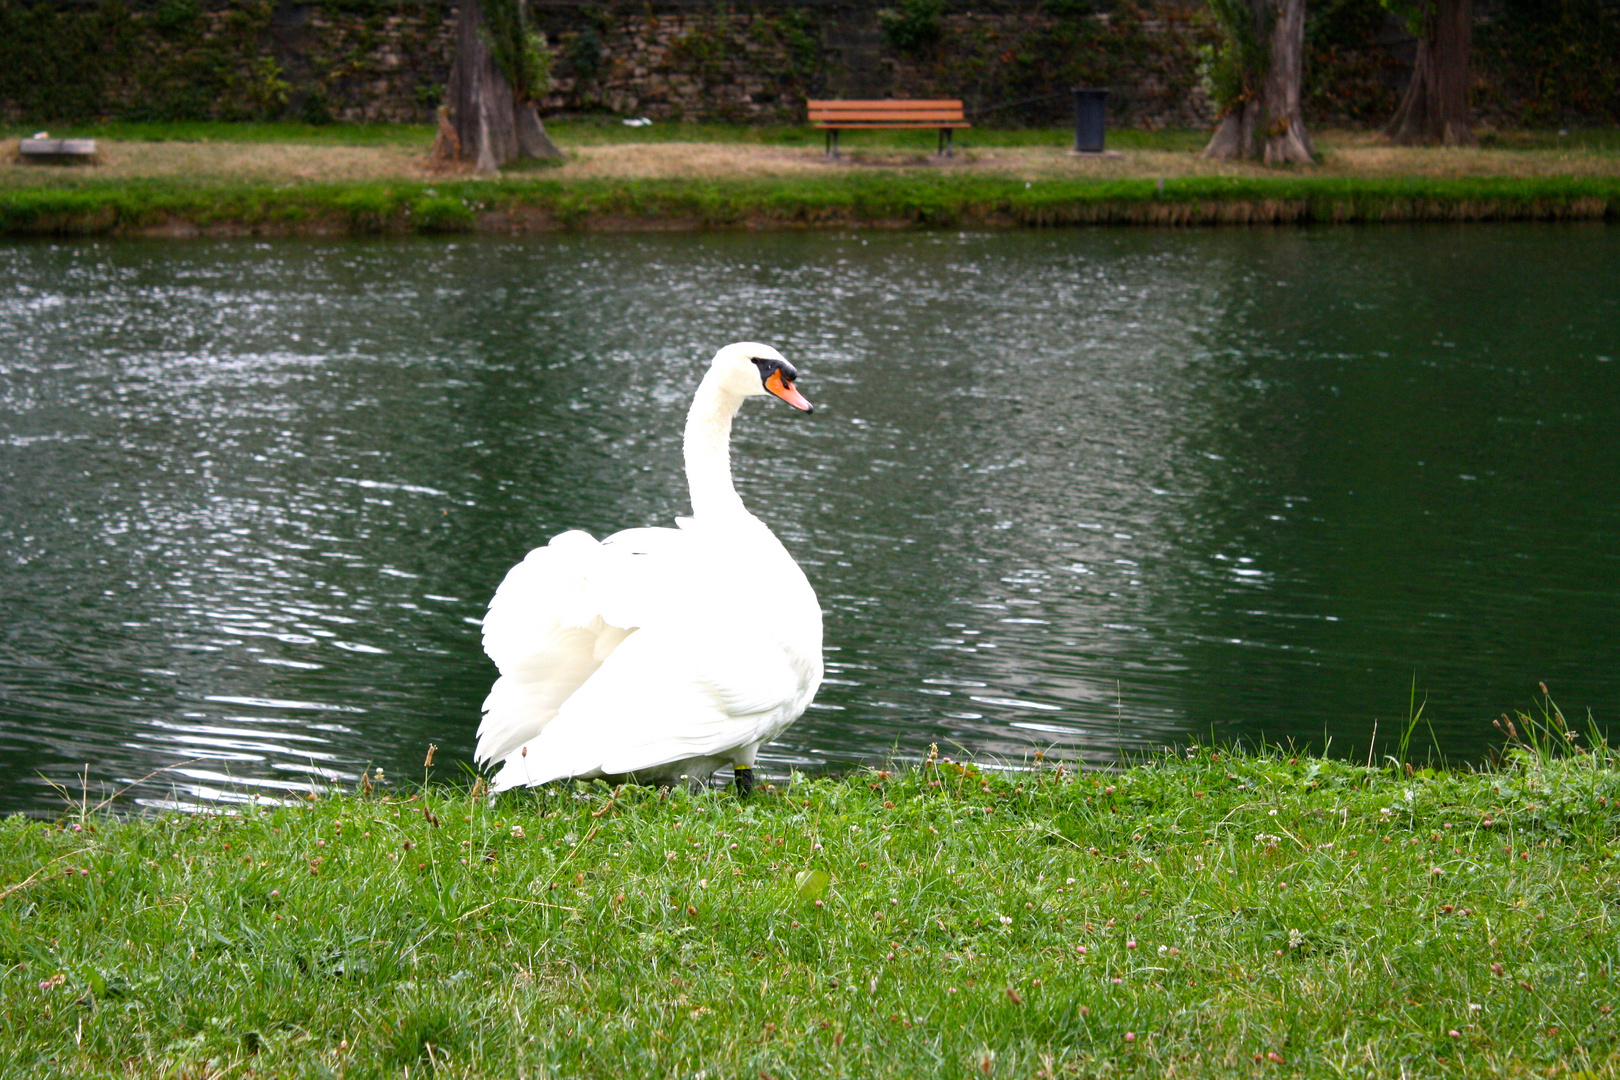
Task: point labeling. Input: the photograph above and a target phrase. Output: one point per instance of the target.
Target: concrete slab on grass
(57, 151)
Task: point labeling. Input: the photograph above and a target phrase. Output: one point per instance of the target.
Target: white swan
(658, 654)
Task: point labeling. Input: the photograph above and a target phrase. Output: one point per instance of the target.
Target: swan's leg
(743, 777)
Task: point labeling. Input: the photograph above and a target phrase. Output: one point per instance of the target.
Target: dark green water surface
(1092, 491)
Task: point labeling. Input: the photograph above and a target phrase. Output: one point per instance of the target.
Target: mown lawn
(1206, 912)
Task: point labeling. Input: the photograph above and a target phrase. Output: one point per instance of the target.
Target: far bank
(299, 180)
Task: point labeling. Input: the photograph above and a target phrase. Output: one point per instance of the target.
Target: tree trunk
(1286, 141)
(491, 126)
(531, 133)
(1234, 135)
(1270, 125)
(1434, 108)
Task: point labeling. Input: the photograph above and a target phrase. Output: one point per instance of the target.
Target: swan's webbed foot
(744, 779)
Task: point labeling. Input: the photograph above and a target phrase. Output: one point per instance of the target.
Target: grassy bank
(851, 199)
(1214, 913)
(288, 179)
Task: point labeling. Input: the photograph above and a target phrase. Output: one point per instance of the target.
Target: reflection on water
(1085, 490)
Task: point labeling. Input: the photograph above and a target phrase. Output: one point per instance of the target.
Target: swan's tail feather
(545, 633)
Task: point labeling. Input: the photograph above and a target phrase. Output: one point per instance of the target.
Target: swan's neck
(708, 450)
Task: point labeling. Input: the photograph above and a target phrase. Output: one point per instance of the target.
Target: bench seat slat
(888, 114)
(883, 103)
(890, 127)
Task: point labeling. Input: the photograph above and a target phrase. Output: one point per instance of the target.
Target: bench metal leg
(832, 142)
(945, 142)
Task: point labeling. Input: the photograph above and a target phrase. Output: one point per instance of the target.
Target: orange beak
(784, 390)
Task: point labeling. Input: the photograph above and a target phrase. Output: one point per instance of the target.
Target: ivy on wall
(1353, 74)
(185, 60)
(1550, 62)
(1018, 70)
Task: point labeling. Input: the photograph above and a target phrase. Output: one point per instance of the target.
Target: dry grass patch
(1347, 154)
(263, 162)
(1342, 155)
(692, 161)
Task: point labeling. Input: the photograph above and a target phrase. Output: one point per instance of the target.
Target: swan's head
(748, 368)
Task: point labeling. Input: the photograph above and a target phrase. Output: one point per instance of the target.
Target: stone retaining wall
(1010, 60)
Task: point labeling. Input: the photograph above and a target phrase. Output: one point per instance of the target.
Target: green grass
(1606, 140)
(1225, 913)
(81, 204)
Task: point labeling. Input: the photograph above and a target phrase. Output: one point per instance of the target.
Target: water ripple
(1088, 491)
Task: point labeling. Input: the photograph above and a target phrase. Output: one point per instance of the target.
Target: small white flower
(1005, 921)
(517, 832)
(1296, 938)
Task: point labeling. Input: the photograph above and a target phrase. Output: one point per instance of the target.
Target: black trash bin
(1090, 107)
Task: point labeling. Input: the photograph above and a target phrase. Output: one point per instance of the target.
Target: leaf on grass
(811, 884)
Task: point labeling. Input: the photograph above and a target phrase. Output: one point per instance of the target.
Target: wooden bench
(836, 116)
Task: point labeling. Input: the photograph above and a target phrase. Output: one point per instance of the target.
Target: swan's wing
(666, 694)
(560, 613)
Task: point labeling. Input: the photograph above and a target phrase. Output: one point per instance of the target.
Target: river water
(1089, 491)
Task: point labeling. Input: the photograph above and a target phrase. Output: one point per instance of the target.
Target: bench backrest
(921, 113)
